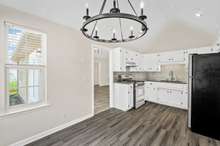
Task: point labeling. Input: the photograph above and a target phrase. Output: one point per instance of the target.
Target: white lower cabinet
(151, 92)
(170, 94)
(123, 96)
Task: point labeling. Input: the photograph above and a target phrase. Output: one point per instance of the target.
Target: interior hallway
(101, 98)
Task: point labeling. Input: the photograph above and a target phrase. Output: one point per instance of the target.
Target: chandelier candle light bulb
(132, 32)
(114, 4)
(142, 8)
(87, 9)
(87, 14)
(96, 33)
(114, 37)
(114, 31)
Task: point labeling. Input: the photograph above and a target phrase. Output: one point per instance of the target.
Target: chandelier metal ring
(115, 12)
(114, 15)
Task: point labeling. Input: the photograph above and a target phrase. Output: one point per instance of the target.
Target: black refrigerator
(204, 94)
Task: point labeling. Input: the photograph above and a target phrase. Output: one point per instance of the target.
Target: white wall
(69, 79)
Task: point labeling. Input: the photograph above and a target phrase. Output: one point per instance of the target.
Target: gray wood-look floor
(150, 125)
(101, 98)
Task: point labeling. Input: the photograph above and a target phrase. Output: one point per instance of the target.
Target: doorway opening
(101, 78)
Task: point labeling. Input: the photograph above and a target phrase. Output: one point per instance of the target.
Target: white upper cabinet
(123, 59)
(203, 50)
(133, 60)
(151, 63)
(118, 60)
(141, 63)
(174, 57)
(217, 44)
(207, 50)
(131, 56)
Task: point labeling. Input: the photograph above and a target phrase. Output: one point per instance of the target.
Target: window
(25, 67)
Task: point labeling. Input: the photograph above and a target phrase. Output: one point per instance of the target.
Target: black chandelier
(90, 29)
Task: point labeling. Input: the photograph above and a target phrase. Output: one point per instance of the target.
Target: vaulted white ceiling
(173, 23)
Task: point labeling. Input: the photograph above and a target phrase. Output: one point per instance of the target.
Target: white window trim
(12, 112)
(22, 108)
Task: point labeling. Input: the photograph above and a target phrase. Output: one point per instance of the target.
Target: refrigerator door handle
(190, 78)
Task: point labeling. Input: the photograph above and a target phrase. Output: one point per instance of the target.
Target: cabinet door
(178, 98)
(178, 56)
(146, 92)
(141, 61)
(130, 97)
(164, 58)
(123, 96)
(151, 63)
(152, 94)
(130, 56)
(174, 57)
(217, 46)
(137, 58)
(207, 50)
(163, 96)
(118, 59)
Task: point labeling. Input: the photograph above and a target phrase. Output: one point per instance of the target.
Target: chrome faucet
(172, 76)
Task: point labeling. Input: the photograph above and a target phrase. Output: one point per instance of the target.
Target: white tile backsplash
(179, 70)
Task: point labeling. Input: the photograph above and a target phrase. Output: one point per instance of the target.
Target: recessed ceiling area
(172, 24)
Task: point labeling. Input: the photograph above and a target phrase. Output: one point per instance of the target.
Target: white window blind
(24, 46)
(25, 66)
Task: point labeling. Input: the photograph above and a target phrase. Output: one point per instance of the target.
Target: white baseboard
(50, 131)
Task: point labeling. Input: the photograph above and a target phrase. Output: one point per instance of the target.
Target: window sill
(23, 110)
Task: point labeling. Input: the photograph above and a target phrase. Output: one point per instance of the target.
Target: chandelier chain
(132, 8)
(120, 23)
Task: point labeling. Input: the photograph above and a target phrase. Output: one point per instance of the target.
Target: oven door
(139, 96)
